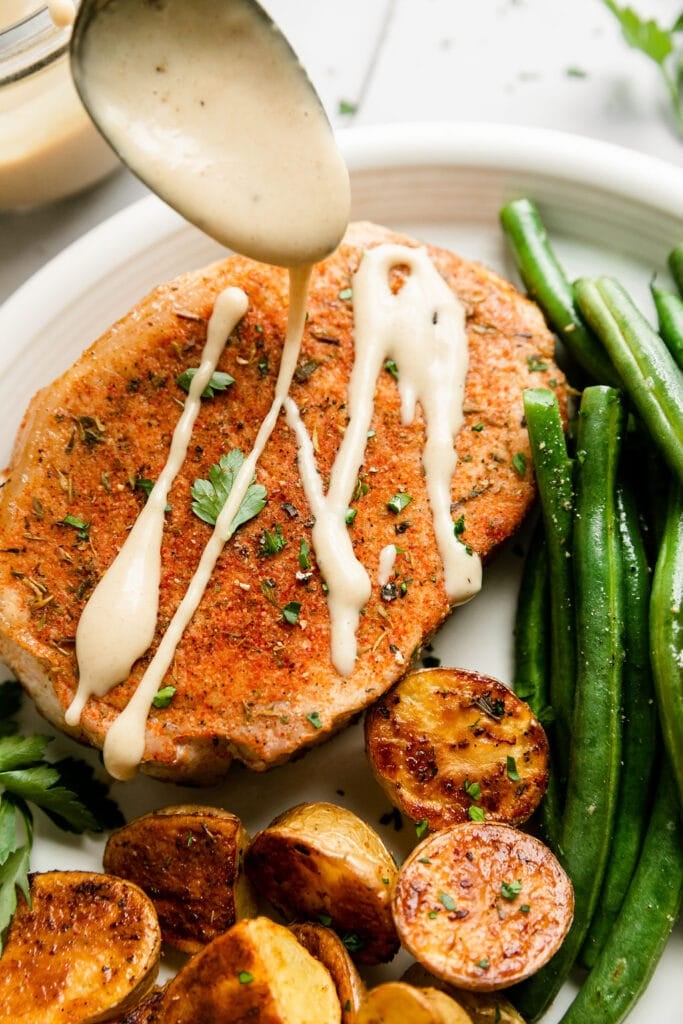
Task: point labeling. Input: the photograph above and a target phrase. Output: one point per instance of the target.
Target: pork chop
(248, 683)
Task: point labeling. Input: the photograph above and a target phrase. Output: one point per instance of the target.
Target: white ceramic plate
(609, 210)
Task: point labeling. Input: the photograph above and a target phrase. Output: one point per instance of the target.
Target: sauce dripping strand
(118, 623)
(421, 326)
(125, 740)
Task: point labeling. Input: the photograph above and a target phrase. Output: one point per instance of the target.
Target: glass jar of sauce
(49, 147)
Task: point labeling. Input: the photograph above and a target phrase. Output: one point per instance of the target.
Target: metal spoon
(206, 102)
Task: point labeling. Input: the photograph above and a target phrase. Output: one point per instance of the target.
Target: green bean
(595, 742)
(639, 730)
(530, 675)
(670, 319)
(651, 378)
(531, 659)
(666, 632)
(554, 477)
(546, 282)
(676, 266)
(649, 912)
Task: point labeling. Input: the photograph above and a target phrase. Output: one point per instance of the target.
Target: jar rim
(29, 45)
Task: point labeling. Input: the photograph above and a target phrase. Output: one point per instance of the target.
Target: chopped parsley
(353, 942)
(399, 501)
(314, 718)
(218, 381)
(510, 890)
(447, 901)
(360, 489)
(535, 364)
(291, 611)
(484, 963)
(245, 977)
(163, 697)
(421, 828)
(304, 555)
(272, 543)
(144, 484)
(325, 919)
(346, 107)
(519, 463)
(345, 294)
(512, 773)
(473, 789)
(391, 367)
(211, 495)
(476, 813)
(350, 516)
(78, 524)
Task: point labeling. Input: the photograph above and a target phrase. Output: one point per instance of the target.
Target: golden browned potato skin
(246, 681)
(319, 860)
(441, 731)
(327, 947)
(146, 1012)
(256, 971)
(483, 1007)
(395, 1002)
(188, 859)
(453, 915)
(85, 951)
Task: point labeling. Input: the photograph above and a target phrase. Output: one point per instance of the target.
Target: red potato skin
(452, 915)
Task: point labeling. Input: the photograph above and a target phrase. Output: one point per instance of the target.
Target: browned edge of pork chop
(248, 684)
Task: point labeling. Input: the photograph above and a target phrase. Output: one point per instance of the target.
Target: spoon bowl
(207, 103)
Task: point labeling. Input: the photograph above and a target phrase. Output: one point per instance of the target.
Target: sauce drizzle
(118, 623)
(124, 744)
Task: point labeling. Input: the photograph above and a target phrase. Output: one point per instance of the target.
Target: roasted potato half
(482, 905)
(320, 862)
(483, 1007)
(444, 740)
(326, 946)
(145, 1012)
(86, 950)
(188, 859)
(396, 1002)
(256, 971)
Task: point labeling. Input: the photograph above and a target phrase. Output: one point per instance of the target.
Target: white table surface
(552, 63)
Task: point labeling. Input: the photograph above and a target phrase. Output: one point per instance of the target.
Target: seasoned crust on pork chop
(249, 685)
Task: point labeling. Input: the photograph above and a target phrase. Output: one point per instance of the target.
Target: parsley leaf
(163, 697)
(304, 555)
(211, 495)
(272, 543)
(66, 791)
(290, 612)
(510, 890)
(78, 524)
(218, 381)
(399, 501)
(519, 463)
(657, 43)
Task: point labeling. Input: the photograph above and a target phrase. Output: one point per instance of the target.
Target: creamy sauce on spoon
(207, 102)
